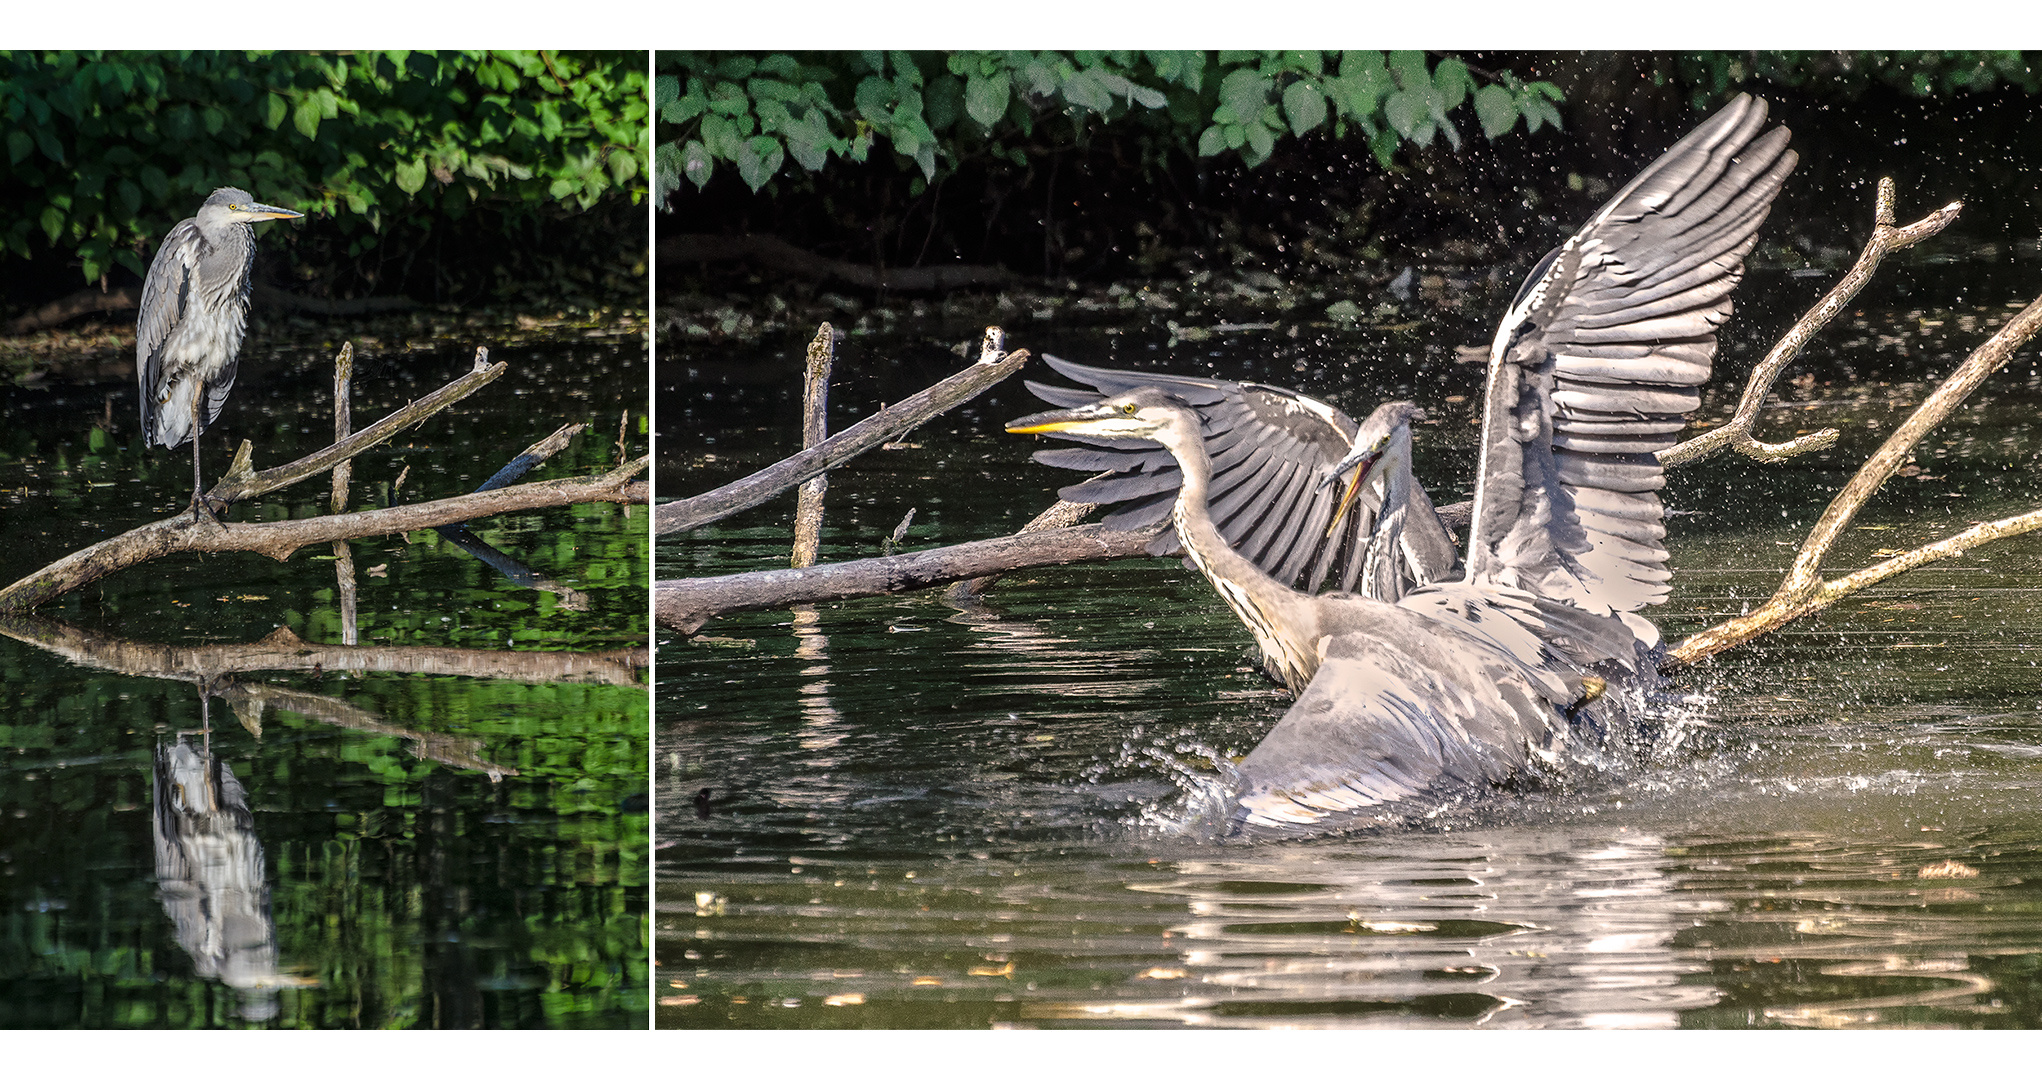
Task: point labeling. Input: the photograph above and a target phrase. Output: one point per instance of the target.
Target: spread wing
(1271, 448)
(1601, 355)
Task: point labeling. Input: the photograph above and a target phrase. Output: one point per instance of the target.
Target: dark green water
(441, 827)
(917, 816)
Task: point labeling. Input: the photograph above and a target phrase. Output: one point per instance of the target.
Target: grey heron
(193, 315)
(1458, 685)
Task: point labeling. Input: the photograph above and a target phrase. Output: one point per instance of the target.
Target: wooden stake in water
(814, 429)
(343, 555)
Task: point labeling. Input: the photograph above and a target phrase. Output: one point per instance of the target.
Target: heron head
(1145, 412)
(235, 206)
(1389, 420)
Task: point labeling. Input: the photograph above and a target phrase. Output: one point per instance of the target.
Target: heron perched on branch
(1456, 685)
(194, 313)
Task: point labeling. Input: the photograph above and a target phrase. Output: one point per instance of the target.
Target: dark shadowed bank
(1069, 202)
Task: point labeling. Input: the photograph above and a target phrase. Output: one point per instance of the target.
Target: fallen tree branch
(283, 650)
(240, 482)
(1736, 432)
(1804, 592)
(685, 604)
(1062, 514)
(881, 427)
(777, 254)
(278, 539)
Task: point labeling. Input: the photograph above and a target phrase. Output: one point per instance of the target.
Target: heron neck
(1281, 618)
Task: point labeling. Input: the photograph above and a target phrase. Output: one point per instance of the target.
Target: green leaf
(696, 164)
(274, 109)
(904, 69)
(1304, 106)
(772, 90)
(1366, 83)
(985, 98)
(411, 176)
(758, 158)
(1409, 67)
(875, 99)
(687, 106)
(666, 168)
(19, 146)
(943, 102)
(1245, 92)
(1452, 82)
(1212, 141)
(808, 139)
(1261, 141)
(1409, 112)
(1083, 88)
(53, 222)
(306, 117)
(1497, 111)
(720, 137)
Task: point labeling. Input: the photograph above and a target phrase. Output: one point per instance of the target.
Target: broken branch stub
(815, 403)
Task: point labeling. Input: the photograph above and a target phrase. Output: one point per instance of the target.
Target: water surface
(216, 810)
(902, 813)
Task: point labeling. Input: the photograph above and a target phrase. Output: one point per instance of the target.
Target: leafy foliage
(105, 151)
(932, 111)
(1849, 73)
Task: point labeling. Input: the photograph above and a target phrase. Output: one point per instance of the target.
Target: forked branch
(1736, 432)
(1804, 592)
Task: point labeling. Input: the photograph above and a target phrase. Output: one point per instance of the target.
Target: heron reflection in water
(193, 315)
(1422, 686)
(209, 870)
(209, 873)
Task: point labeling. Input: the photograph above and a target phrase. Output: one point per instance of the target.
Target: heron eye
(1128, 408)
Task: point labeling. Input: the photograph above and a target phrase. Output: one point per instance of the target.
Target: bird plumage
(1458, 685)
(194, 314)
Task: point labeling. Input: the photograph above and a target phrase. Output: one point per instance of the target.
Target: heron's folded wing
(167, 294)
(1601, 355)
(1390, 724)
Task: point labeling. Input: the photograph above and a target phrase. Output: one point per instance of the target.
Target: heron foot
(199, 503)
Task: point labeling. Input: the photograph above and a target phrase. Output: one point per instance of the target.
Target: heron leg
(198, 486)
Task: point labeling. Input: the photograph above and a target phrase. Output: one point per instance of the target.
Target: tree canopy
(106, 150)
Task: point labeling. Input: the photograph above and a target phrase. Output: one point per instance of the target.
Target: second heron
(193, 315)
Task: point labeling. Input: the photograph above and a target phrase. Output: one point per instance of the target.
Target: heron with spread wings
(193, 315)
(1421, 685)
